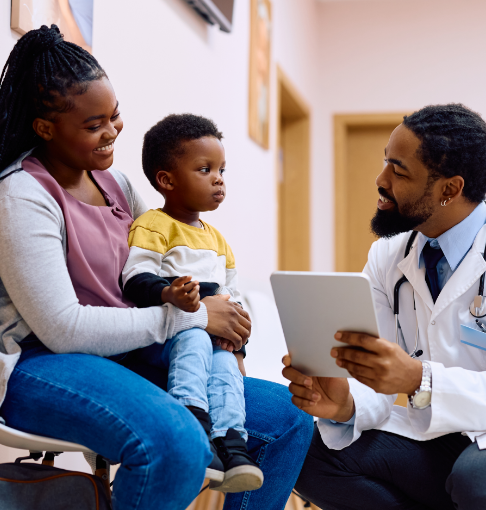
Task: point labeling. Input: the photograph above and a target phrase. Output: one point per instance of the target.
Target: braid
(453, 142)
(41, 72)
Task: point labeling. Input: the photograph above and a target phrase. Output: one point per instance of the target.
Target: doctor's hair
(164, 142)
(453, 142)
(41, 74)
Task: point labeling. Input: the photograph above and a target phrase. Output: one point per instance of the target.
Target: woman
(71, 345)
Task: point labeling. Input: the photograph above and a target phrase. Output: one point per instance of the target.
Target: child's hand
(226, 345)
(183, 293)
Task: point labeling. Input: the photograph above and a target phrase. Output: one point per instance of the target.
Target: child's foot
(241, 471)
(215, 470)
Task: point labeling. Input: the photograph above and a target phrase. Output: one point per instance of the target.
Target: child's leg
(188, 356)
(226, 395)
(227, 411)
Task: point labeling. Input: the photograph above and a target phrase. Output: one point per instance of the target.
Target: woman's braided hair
(453, 142)
(41, 72)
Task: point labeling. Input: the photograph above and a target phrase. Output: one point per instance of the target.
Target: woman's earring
(444, 202)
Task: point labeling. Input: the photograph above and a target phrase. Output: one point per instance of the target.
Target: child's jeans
(204, 376)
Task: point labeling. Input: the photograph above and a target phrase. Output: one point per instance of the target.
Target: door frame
(295, 109)
(342, 123)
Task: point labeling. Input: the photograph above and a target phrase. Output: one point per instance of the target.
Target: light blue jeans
(124, 414)
(203, 376)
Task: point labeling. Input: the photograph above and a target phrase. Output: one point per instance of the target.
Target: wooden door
(360, 142)
(360, 145)
(293, 181)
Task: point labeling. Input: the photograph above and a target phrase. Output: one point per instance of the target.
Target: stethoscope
(477, 308)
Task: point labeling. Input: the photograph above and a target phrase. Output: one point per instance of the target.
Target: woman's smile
(105, 150)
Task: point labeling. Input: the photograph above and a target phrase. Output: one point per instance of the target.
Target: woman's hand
(227, 320)
(324, 397)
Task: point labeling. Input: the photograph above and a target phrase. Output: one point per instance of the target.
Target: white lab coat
(458, 370)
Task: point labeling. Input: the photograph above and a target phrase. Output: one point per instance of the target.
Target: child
(184, 160)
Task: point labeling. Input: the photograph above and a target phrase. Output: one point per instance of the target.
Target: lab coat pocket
(473, 337)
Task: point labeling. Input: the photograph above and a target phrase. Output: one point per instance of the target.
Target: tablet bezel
(313, 307)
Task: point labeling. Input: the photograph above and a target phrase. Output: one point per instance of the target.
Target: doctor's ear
(452, 189)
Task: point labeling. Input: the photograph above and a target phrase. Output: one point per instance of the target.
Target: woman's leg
(95, 402)
(279, 436)
(226, 395)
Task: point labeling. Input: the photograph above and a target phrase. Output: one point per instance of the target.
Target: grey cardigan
(36, 293)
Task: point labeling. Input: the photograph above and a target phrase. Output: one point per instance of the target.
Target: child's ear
(165, 180)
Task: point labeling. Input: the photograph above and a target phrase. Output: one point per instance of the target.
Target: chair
(37, 445)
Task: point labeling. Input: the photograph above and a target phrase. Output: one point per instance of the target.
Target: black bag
(40, 487)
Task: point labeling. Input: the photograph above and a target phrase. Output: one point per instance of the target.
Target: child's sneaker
(215, 470)
(241, 471)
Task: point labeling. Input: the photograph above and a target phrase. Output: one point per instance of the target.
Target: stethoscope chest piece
(478, 307)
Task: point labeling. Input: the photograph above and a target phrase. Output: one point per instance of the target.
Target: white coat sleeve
(371, 408)
(458, 403)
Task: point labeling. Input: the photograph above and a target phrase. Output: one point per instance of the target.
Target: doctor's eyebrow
(395, 162)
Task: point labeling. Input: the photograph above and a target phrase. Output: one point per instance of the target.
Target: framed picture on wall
(73, 17)
(259, 100)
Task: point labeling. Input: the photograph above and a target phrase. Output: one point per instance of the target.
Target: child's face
(197, 182)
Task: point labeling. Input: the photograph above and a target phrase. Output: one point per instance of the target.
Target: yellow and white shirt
(162, 249)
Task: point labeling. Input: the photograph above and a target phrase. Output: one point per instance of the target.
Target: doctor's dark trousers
(386, 471)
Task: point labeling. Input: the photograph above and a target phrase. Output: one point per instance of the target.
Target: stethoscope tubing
(403, 279)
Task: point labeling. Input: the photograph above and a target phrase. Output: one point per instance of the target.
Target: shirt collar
(17, 164)
(457, 241)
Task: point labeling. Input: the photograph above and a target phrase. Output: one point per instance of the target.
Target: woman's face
(83, 138)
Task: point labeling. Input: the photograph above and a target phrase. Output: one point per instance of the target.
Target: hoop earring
(444, 202)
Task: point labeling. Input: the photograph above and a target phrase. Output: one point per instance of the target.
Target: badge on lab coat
(473, 337)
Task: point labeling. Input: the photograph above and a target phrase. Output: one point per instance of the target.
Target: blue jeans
(122, 413)
(203, 376)
(384, 470)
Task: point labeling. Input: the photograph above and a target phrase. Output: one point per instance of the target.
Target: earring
(444, 202)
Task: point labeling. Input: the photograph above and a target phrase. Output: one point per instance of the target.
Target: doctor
(367, 453)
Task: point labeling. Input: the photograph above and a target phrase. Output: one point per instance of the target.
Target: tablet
(313, 307)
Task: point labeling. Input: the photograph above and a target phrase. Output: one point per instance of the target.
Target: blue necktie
(431, 258)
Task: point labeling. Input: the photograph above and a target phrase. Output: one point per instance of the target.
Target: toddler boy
(177, 258)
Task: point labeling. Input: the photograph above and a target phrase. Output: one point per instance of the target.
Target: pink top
(97, 246)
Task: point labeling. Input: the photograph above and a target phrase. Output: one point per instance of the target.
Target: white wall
(7, 37)
(390, 56)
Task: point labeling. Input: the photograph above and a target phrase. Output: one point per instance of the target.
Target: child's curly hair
(164, 142)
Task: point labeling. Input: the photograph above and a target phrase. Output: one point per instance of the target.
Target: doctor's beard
(393, 222)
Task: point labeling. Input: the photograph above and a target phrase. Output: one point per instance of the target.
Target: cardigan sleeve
(34, 272)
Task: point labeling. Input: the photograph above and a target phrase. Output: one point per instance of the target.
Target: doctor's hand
(383, 366)
(323, 397)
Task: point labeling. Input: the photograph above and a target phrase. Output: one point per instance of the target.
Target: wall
(389, 56)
